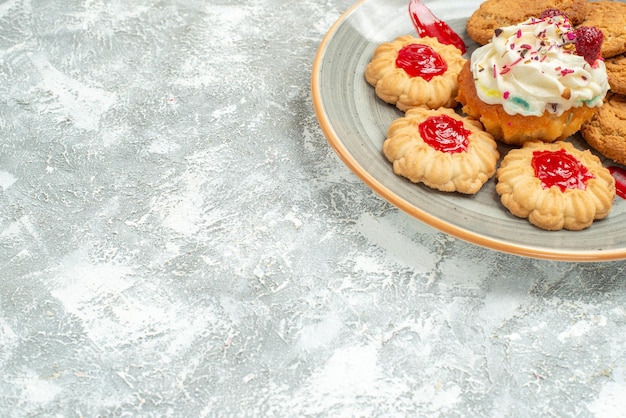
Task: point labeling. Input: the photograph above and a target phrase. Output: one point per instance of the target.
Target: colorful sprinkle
(521, 102)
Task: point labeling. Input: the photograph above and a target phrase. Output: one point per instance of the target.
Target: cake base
(518, 129)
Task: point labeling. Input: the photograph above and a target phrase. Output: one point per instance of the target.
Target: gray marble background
(178, 239)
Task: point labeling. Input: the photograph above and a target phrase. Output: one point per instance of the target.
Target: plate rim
(456, 231)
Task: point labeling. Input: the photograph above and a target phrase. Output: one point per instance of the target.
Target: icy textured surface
(178, 239)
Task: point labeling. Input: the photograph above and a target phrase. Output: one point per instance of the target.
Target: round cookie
(606, 131)
(610, 18)
(411, 72)
(555, 185)
(442, 150)
(493, 14)
(616, 70)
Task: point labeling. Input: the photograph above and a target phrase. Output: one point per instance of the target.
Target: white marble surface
(178, 239)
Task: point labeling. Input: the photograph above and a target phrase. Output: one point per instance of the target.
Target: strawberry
(588, 43)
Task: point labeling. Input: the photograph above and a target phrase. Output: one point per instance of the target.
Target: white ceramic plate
(355, 121)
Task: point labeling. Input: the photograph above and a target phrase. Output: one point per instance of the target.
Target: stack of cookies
(606, 131)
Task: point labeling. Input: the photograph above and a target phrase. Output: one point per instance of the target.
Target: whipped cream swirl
(533, 67)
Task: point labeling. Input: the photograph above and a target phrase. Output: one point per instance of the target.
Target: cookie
(442, 150)
(606, 131)
(410, 72)
(610, 18)
(555, 185)
(616, 70)
(493, 14)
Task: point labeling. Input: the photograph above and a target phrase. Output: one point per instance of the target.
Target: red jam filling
(444, 134)
(561, 169)
(419, 60)
(619, 174)
(427, 24)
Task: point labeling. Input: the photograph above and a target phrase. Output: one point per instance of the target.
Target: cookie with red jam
(555, 185)
(442, 150)
(415, 72)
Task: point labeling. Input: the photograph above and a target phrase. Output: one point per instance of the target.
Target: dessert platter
(355, 122)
